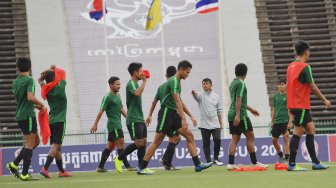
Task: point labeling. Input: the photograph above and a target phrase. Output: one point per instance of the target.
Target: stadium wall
(49, 45)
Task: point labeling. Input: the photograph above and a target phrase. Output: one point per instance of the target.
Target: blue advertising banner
(86, 157)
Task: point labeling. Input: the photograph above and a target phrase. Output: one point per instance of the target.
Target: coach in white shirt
(211, 108)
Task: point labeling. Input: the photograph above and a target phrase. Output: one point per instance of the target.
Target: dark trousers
(216, 135)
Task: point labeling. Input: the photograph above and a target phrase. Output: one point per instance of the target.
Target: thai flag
(97, 12)
(206, 6)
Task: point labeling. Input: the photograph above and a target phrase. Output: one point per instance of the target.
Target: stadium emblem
(128, 18)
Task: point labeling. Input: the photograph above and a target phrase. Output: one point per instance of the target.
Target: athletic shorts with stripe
(279, 129)
(137, 130)
(301, 117)
(28, 126)
(244, 126)
(115, 134)
(57, 131)
(168, 122)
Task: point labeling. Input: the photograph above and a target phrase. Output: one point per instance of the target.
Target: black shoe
(101, 170)
(172, 168)
(164, 164)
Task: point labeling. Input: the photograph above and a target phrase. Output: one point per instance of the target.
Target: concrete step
(7, 114)
(12, 125)
(5, 108)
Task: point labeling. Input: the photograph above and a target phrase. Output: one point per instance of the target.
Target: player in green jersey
(174, 137)
(57, 101)
(24, 92)
(239, 121)
(172, 118)
(134, 120)
(113, 107)
(281, 122)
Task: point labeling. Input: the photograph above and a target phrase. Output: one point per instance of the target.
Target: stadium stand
(281, 23)
(13, 43)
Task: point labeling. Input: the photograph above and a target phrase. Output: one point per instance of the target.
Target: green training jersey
(57, 102)
(21, 86)
(280, 108)
(134, 104)
(112, 106)
(158, 95)
(306, 76)
(238, 89)
(172, 86)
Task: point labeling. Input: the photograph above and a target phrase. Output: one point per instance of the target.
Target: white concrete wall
(242, 45)
(49, 45)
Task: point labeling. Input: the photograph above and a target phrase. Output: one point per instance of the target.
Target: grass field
(186, 177)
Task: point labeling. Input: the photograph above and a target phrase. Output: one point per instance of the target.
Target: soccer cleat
(295, 168)
(45, 173)
(232, 166)
(64, 174)
(118, 164)
(145, 171)
(101, 170)
(164, 164)
(26, 177)
(13, 169)
(259, 164)
(172, 168)
(319, 166)
(132, 168)
(149, 170)
(203, 166)
(218, 163)
(282, 160)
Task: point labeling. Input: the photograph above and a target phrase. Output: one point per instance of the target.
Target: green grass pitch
(186, 178)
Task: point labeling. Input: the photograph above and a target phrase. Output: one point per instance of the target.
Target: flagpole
(163, 47)
(223, 65)
(105, 43)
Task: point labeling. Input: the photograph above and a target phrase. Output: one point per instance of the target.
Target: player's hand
(193, 92)
(289, 125)
(148, 120)
(255, 112)
(236, 121)
(143, 78)
(327, 104)
(184, 123)
(221, 126)
(93, 129)
(272, 124)
(193, 121)
(41, 108)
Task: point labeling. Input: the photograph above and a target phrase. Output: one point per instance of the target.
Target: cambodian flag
(97, 12)
(206, 6)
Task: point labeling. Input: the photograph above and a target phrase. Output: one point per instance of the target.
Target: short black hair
(241, 69)
(184, 65)
(49, 76)
(301, 47)
(23, 64)
(112, 80)
(281, 80)
(207, 80)
(171, 71)
(134, 67)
